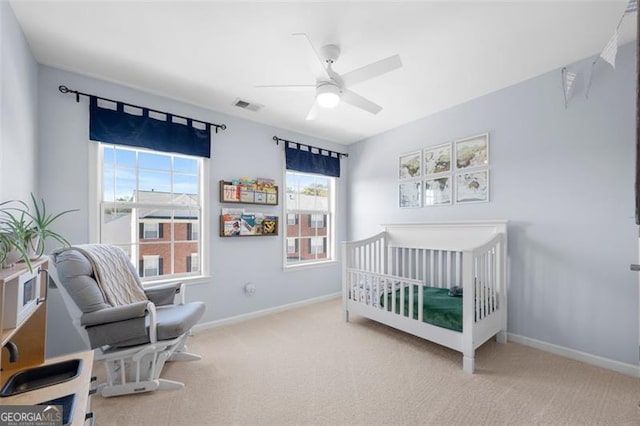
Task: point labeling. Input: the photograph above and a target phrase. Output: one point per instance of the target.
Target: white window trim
(95, 191)
(330, 222)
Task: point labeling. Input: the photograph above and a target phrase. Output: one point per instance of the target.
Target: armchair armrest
(164, 294)
(119, 313)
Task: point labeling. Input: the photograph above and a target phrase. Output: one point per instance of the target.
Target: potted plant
(14, 233)
(40, 229)
(24, 231)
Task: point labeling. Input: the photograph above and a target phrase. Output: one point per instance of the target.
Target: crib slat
(402, 305)
(449, 280)
(424, 268)
(420, 303)
(475, 288)
(440, 258)
(482, 285)
(494, 279)
(431, 269)
(410, 287)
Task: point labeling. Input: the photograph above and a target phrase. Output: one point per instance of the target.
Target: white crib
(402, 261)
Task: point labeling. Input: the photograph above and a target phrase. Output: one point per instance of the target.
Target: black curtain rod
(278, 140)
(65, 90)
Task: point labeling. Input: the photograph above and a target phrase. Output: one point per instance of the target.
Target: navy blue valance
(308, 159)
(160, 131)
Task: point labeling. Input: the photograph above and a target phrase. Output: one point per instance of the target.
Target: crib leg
(501, 337)
(345, 315)
(468, 364)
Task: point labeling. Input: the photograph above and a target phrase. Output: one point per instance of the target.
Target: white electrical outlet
(249, 289)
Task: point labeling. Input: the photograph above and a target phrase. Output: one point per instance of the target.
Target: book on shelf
(231, 192)
(269, 224)
(246, 194)
(248, 224)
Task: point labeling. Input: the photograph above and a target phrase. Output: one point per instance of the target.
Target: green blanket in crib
(439, 309)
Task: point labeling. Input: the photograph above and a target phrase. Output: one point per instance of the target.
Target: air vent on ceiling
(241, 103)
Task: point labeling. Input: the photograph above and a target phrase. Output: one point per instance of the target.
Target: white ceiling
(209, 53)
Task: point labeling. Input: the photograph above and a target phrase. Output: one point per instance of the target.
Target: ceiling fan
(331, 88)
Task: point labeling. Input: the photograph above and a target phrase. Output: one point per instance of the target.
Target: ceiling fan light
(328, 95)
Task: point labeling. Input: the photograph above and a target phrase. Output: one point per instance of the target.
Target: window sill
(302, 266)
(200, 279)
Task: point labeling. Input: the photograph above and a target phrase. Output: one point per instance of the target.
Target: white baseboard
(620, 367)
(244, 317)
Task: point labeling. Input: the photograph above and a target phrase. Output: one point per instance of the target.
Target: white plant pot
(32, 247)
(13, 256)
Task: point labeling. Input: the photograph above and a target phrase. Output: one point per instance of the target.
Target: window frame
(329, 221)
(96, 163)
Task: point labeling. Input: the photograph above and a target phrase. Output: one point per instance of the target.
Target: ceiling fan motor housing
(330, 53)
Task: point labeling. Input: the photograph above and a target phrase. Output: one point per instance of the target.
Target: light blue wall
(246, 148)
(18, 110)
(563, 177)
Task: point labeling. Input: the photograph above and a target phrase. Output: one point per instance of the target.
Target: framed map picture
(437, 191)
(437, 159)
(472, 187)
(472, 152)
(410, 194)
(410, 165)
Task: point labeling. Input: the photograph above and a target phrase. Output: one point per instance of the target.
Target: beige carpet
(306, 366)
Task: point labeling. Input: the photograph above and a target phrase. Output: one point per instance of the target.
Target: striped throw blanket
(112, 272)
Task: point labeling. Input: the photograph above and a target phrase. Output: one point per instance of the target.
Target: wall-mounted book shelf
(257, 193)
(238, 223)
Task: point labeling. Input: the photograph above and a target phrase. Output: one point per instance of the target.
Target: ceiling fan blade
(358, 101)
(323, 67)
(372, 70)
(313, 112)
(286, 86)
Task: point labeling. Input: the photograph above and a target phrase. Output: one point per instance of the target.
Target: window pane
(125, 157)
(125, 184)
(109, 156)
(148, 160)
(188, 165)
(155, 250)
(108, 183)
(183, 259)
(185, 184)
(154, 182)
(116, 226)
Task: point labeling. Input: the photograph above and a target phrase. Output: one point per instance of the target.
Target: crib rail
(368, 254)
(435, 268)
(378, 291)
(487, 273)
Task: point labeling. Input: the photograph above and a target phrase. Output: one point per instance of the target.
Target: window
(150, 231)
(193, 263)
(292, 246)
(310, 211)
(317, 245)
(316, 221)
(150, 266)
(151, 206)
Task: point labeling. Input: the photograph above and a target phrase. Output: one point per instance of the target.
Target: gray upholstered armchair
(128, 325)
